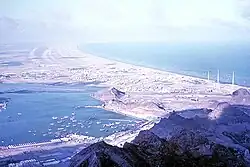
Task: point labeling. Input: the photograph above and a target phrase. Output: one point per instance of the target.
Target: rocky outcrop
(114, 97)
(111, 94)
(217, 136)
(117, 93)
(241, 96)
(219, 110)
(152, 105)
(148, 150)
(102, 154)
(241, 92)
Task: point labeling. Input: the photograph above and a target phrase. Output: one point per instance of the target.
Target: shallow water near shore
(41, 112)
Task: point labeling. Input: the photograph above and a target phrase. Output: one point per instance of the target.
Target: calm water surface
(191, 59)
(37, 113)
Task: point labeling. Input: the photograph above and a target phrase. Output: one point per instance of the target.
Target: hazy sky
(157, 20)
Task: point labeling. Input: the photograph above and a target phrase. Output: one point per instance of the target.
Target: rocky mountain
(219, 136)
(241, 92)
(148, 150)
(118, 100)
(108, 95)
(241, 96)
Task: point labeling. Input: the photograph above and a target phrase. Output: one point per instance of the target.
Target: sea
(41, 112)
(193, 59)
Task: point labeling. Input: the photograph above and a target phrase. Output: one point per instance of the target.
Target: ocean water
(194, 59)
(41, 112)
(11, 63)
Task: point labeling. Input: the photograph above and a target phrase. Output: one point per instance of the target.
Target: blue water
(37, 113)
(11, 63)
(190, 59)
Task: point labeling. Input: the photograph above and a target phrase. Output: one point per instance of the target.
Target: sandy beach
(135, 91)
(143, 86)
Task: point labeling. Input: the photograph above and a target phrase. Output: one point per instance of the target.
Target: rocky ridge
(218, 136)
(149, 150)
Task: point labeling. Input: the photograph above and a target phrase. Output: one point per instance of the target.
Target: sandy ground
(141, 85)
(58, 64)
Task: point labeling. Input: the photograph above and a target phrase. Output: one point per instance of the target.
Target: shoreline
(145, 88)
(139, 82)
(112, 61)
(176, 71)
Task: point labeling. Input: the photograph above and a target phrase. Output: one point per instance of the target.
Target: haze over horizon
(125, 20)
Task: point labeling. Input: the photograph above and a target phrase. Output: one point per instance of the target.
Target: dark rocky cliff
(148, 150)
(218, 137)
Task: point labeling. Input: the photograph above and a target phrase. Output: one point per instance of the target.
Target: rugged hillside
(219, 136)
(149, 150)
